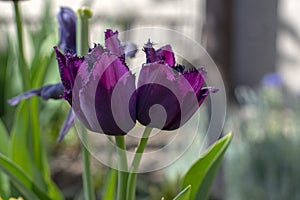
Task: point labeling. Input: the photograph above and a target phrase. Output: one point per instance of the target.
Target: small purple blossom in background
(272, 79)
(67, 29)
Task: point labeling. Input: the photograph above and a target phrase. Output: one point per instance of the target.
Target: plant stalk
(21, 58)
(122, 167)
(132, 178)
(82, 45)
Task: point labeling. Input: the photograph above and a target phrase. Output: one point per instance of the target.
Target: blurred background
(256, 46)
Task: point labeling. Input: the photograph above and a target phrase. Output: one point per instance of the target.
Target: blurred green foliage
(263, 160)
(23, 159)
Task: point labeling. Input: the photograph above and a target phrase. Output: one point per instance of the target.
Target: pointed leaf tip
(200, 176)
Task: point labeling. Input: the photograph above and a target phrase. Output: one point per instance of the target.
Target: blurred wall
(254, 31)
(288, 44)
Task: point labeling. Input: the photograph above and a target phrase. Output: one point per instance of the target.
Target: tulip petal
(195, 78)
(150, 52)
(69, 65)
(107, 101)
(166, 54)
(178, 96)
(158, 85)
(53, 91)
(112, 43)
(67, 29)
(163, 55)
(130, 49)
(68, 123)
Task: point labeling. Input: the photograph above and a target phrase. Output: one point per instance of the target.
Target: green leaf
(110, 186)
(21, 180)
(200, 176)
(184, 194)
(21, 145)
(4, 53)
(19, 139)
(4, 139)
(53, 191)
(4, 146)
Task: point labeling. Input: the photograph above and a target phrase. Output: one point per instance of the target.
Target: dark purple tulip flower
(168, 94)
(99, 87)
(67, 29)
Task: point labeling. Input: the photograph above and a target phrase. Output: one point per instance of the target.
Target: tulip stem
(132, 178)
(22, 63)
(87, 181)
(122, 167)
(82, 44)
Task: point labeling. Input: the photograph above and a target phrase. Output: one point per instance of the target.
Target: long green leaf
(53, 191)
(19, 139)
(21, 180)
(21, 146)
(4, 145)
(4, 53)
(185, 194)
(4, 139)
(200, 176)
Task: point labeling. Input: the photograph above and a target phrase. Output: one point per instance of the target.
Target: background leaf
(200, 176)
(19, 139)
(21, 180)
(185, 194)
(4, 139)
(4, 146)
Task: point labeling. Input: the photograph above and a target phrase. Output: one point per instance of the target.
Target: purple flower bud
(67, 29)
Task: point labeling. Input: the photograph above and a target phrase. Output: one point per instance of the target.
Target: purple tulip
(67, 29)
(100, 88)
(168, 95)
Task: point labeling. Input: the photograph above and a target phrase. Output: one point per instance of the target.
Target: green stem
(82, 40)
(131, 184)
(122, 167)
(22, 63)
(82, 44)
(87, 181)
